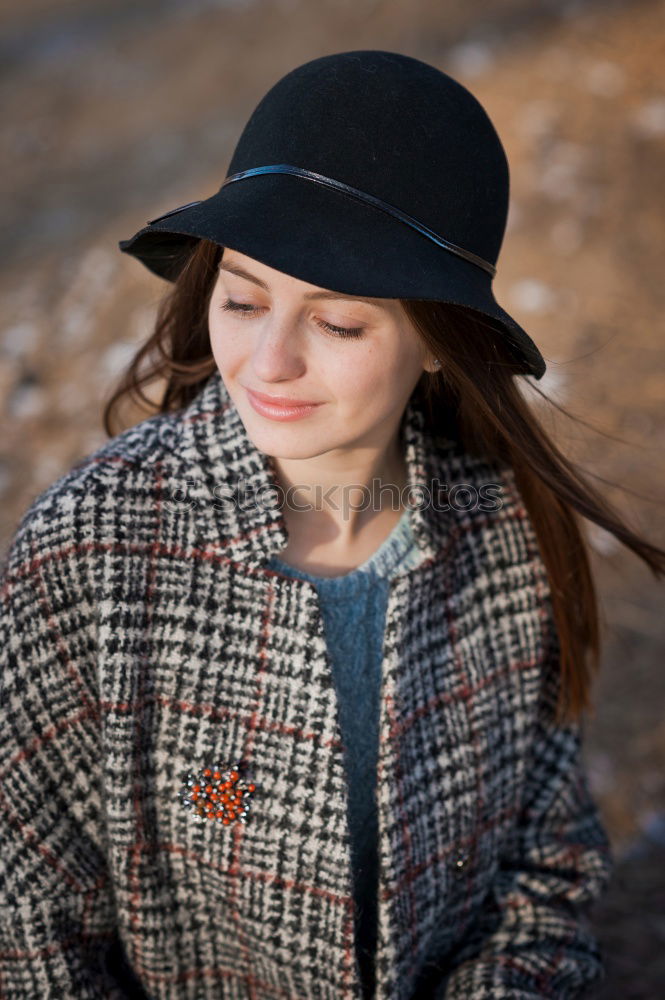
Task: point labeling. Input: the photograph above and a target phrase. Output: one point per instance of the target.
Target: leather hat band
(286, 168)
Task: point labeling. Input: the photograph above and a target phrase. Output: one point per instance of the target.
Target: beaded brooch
(216, 793)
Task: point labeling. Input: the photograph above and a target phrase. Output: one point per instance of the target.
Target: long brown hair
(475, 387)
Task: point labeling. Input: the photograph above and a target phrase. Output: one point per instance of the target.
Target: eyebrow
(241, 273)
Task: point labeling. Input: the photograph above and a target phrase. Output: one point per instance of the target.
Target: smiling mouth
(280, 401)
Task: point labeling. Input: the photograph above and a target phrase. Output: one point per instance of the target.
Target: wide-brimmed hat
(364, 172)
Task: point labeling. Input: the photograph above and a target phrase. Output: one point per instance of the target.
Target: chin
(291, 439)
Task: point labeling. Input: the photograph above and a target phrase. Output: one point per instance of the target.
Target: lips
(279, 411)
(281, 400)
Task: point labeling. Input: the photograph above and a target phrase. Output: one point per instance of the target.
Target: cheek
(377, 370)
(228, 345)
(354, 374)
(386, 368)
(367, 391)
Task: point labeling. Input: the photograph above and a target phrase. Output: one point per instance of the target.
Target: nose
(277, 352)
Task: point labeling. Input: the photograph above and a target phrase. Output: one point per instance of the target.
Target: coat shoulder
(70, 509)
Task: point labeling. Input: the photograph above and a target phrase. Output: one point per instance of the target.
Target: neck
(334, 496)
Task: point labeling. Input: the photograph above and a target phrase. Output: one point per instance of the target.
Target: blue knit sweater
(353, 607)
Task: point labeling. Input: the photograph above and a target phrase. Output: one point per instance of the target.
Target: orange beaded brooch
(217, 793)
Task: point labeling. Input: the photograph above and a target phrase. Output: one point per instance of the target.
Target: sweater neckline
(394, 548)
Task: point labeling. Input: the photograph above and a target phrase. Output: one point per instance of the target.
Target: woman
(294, 672)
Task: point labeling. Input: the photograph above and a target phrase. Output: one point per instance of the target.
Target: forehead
(234, 262)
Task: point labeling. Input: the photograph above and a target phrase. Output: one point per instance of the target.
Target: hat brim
(330, 240)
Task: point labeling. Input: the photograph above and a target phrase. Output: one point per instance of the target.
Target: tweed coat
(144, 642)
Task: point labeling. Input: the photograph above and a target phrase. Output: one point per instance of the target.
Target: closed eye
(242, 309)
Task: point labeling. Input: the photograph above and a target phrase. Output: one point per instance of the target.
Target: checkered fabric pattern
(147, 651)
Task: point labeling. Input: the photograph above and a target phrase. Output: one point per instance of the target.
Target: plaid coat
(173, 820)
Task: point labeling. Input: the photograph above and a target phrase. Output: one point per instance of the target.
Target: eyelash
(339, 331)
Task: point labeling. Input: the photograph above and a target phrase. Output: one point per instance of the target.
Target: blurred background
(117, 111)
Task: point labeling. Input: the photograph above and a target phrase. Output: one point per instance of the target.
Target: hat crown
(394, 127)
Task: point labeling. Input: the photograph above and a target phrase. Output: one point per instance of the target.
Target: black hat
(364, 172)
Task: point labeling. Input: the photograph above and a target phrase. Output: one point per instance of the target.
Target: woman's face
(289, 340)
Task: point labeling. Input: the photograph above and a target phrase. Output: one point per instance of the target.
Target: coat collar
(219, 455)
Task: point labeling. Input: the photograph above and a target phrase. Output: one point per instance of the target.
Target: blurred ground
(118, 111)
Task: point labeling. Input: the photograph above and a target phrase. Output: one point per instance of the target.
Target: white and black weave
(143, 638)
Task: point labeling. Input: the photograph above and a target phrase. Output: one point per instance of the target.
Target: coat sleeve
(57, 917)
(533, 937)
